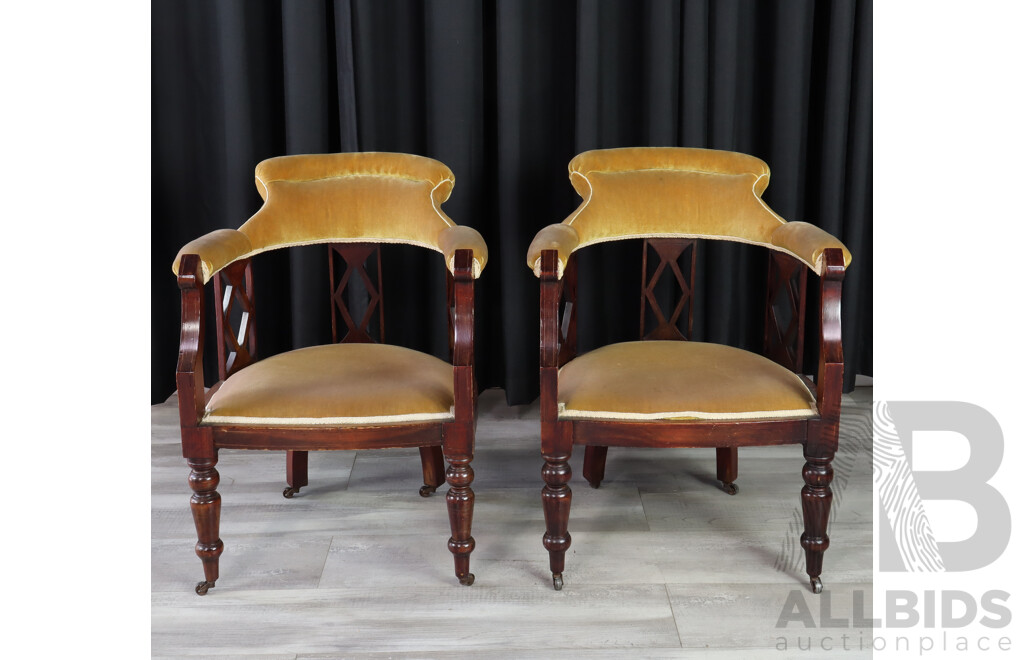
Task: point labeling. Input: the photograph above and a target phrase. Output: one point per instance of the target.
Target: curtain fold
(505, 93)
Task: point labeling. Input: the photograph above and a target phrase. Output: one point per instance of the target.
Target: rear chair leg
(593, 464)
(433, 469)
(728, 468)
(297, 471)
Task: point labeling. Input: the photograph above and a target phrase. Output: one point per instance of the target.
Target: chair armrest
(560, 237)
(463, 315)
(807, 243)
(189, 371)
(216, 250)
(551, 268)
(452, 239)
(829, 381)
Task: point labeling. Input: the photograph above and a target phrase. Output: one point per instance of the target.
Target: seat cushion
(646, 380)
(336, 384)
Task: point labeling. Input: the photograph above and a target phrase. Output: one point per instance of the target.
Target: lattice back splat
(784, 311)
(357, 300)
(678, 256)
(236, 318)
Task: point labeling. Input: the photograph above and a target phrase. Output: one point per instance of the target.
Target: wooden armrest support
(462, 335)
(550, 295)
(189, 372)
(830, 361)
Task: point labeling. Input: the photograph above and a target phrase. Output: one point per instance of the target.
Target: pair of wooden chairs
(359, 394)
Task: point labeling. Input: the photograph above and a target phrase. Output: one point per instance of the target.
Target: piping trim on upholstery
(230, 420)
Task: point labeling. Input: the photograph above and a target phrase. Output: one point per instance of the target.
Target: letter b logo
(905, 534)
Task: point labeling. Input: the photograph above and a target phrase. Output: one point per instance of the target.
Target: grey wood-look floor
(663, 563)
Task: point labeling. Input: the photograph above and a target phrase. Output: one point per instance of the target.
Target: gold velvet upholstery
(336, 384)
(216, 250)
(348, 197)
(806, 242)
(561, 237)
(462, 238)
(649, 380)
(661, 192)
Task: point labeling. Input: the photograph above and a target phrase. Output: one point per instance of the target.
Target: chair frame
(819, 435)
(201, 443)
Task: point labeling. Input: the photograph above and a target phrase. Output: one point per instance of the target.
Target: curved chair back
(674, 192)
(344, 198)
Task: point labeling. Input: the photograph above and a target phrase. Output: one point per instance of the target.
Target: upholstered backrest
(649, 191)
(376, 197)
(366, 197)
(661, 192)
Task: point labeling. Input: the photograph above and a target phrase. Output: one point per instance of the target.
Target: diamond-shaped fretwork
(233, 297)
(670, 252)
(784, 312)
(355, 295)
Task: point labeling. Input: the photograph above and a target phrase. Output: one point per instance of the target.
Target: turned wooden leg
(728, 468)
(593, 464)
(460, 514)
(206, 512)
(433, 469)
(297, 469)
(557, 497)
(817, 503)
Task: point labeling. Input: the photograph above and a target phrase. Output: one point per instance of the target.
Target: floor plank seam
(351, 471)
(643, 507)
(327, 555)
(672, 609)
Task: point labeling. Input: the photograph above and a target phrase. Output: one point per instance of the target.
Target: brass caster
(732, 489)
(290, 491)
(816, 585)
(556, 579)
(205, 586)
(467, 579)
(425, 491)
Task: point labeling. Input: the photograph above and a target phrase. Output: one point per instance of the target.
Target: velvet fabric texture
(652, 192)
(336, 384)
(351, 197)
(679, 380)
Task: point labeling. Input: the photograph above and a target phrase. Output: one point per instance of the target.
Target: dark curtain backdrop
(506, 92)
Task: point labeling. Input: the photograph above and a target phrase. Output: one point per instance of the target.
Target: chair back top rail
(674, 192)
(369, 197)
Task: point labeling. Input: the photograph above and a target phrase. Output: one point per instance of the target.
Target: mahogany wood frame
(787, 284)
(235, 349)
(201, 443)
(355, 256)
(819, 435)
(669, 251)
